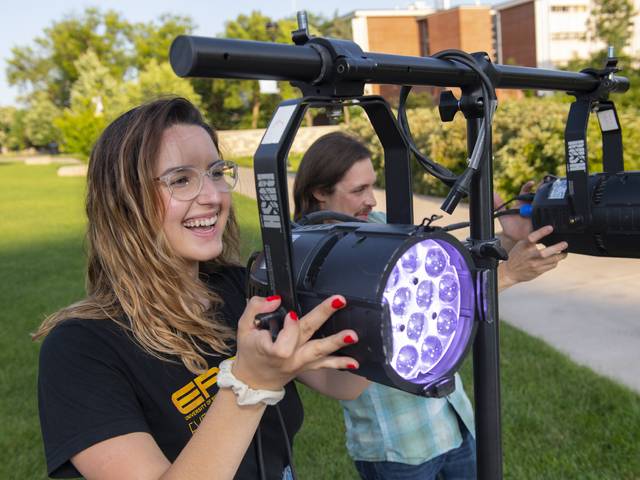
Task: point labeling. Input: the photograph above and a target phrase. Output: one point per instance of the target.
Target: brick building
(548, 33)
(421, 32)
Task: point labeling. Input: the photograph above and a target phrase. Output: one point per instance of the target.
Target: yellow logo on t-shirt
(196, 392)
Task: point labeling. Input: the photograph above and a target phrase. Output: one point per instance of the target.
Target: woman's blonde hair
(133, 275)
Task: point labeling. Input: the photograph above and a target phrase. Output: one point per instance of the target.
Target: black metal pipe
(486, 346)
(243, 59)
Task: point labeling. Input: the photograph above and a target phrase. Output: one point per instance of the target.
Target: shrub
(528, 143)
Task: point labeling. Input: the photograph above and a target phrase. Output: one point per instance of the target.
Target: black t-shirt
(96, 383)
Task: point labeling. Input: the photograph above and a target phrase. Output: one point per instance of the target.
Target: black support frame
(338, 70)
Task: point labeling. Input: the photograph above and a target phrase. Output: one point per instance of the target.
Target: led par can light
(612, 228)
(410, 298)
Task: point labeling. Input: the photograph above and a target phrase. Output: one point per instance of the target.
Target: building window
(569, 8)
(569, 36)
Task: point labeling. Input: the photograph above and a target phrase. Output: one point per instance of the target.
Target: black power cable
(459, 184)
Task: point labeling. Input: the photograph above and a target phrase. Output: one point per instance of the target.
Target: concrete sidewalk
(587, 308)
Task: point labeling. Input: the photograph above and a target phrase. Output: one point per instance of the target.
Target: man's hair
(324, 164)
(134, 276)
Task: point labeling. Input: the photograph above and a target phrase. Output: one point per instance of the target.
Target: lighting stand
(336, 71)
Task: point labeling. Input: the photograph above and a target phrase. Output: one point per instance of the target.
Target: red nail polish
(293, 315)
(348, 339)
(273, 298)
(351, 366)
(337, 303)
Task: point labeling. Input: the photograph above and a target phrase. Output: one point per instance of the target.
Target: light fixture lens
(431, 351)
(415, 325)
(449, 287)
(435, 262)
(424, 294)
(407, 360)
(425, 307)
(447, 321)
(410, 261)
(401, 301)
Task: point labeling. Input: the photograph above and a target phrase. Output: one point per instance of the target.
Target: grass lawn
(560, 421)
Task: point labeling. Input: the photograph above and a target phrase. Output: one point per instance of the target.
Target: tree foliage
(611, 22)
(528, 143)
(121, 47)
(51, 65)
(13, 128)
(39, 128)
(245, 95)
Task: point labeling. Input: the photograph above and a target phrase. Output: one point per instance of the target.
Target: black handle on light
(193, 56)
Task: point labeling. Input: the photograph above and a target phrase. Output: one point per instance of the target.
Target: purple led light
(424, 294)
(401, 301)
(448, 288)
(427, 305)
(415, 325)
(435, 261)
(431, 351)
(407, 359)
(410, 261)
(447, 321)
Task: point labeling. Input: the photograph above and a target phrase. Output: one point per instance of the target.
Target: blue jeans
(456, 464)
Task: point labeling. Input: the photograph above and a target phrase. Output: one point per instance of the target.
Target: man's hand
(527, 261)
(514, 227)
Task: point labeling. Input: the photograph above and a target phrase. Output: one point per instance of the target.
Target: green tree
(245, 95)
(95, 96)
(122, 48)
(611, 21)
(6, 118)
(40, 130)
(51, 65)
(158, 80)
(16, 138)
(334, 27)
(151, 41)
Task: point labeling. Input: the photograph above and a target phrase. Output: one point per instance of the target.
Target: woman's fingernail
(273, 298)
(348, 339)
(337, 303)
(293, 315)
(351, 366)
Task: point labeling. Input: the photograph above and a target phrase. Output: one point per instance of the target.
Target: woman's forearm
(220, 442)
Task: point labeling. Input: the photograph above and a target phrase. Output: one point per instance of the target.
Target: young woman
(165, 335)
(392, 434)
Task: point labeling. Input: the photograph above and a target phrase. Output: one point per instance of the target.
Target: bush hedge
(528, 142)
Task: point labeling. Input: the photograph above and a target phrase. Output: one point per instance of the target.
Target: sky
(22, 21)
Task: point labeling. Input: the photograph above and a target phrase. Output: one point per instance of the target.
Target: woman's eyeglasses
(185, 183)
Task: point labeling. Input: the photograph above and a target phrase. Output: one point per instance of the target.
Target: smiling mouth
(201, 223)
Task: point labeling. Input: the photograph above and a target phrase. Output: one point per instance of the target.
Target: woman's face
(353, 194)
(193, 228)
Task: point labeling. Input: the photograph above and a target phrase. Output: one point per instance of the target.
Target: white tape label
(607, 120)
(278, 125)
(558, 189)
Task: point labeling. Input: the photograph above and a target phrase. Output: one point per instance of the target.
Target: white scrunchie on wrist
(244, 394)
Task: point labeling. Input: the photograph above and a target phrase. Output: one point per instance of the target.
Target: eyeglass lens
(186, 183)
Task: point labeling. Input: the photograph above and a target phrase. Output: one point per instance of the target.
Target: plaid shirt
(385, 424)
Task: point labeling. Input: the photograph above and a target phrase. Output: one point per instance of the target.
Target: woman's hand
(526, 261)
(264, 364)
